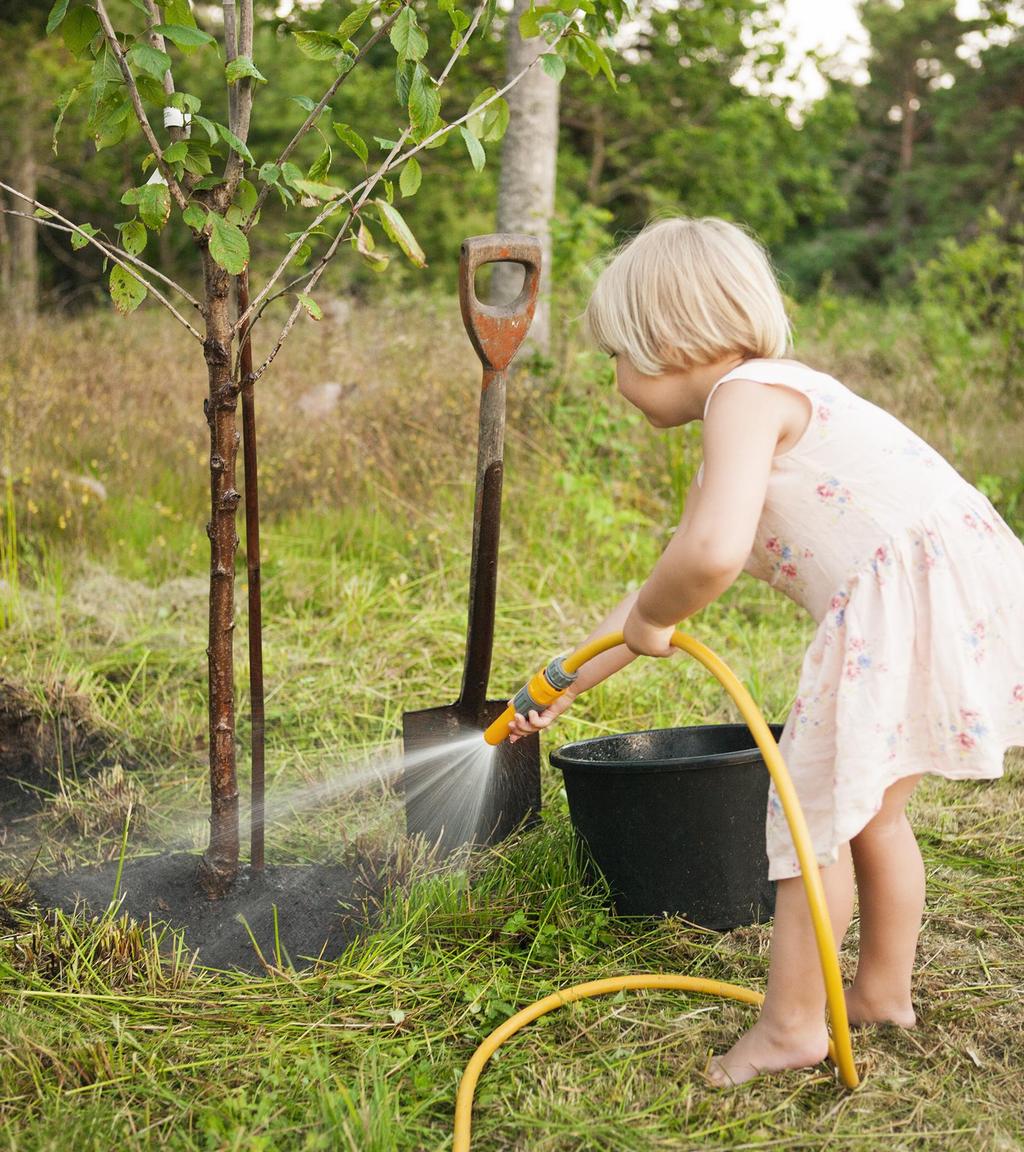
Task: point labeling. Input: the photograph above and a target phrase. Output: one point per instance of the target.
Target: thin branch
(246, 85)
(158, 42)
(315, 114)
(125, 259)
(366, 186)
(112, 248)
(140, 113)
(231, 53)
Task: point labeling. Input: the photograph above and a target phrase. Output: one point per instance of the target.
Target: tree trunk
(220, 864)
(21, 274)
(526, 195)
(908, 107)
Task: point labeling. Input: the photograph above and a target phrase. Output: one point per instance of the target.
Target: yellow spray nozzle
(543, 689)
(498, 730)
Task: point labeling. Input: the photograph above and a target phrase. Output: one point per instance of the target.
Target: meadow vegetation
(368, 504)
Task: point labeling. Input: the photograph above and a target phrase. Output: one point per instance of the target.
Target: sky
(831, 26)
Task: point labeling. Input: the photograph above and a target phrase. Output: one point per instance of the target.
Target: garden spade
(436, 794)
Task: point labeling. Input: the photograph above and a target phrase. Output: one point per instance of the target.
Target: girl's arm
(708, 551)
(591, 673)
(600, 667)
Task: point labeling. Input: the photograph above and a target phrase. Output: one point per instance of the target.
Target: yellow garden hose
(840, 1047)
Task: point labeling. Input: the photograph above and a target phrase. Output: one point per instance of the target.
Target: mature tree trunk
(220, 864)
(901, 212)
(526, 196)
(21, 267)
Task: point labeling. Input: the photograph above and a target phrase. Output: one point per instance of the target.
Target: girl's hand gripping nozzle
(543, 689)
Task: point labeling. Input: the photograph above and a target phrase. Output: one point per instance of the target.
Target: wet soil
(320, 908)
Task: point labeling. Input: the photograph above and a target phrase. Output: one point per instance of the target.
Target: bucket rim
(562, 757)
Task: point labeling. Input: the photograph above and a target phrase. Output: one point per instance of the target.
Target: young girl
(916, 584)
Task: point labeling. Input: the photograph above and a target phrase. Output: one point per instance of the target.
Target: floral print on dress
(785, 556)
(859, 660)
(830, 491)
(977, 523)
(974, 638)
(969, 731)
(880, 561)
(837, 609)
(927, 550)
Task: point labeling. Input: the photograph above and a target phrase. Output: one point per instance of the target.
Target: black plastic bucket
(675, 820)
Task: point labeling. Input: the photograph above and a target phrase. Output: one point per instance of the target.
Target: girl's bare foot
(768, 1048)
(864, 1009)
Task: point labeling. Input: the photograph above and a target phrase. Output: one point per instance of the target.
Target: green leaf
(133, 237)
(319, 45)
(228, 245)
(489, 10)
(490, 123)
(352, 138)
(553, 65)
(246, 196)
(175, 153)
(291, 172)
(126, 290)
(395, 226)
(269, 173)
(195, 216)
(150, 89)
(198, 159)
(179, 12)
(317, 190)
(149, 59)
(57, 14)
(476, 149)
(207, 126)
(321, 165)
(243, 66)
(313, 309)
(232, 140)
(366, 247)
(407, 38)
(78, 241)
(354, 21)
(64, 102)
(154, 204)
(184, 36)
(594, 58)
(529, 24)
(411, 178)
(80, 27)
(424, 103)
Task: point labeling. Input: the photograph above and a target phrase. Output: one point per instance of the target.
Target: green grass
(365, 568)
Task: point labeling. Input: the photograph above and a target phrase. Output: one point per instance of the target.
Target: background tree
(529, 159)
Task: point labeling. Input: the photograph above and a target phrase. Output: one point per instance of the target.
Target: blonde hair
(686, 292)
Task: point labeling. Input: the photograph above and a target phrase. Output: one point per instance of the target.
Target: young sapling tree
(203, 176)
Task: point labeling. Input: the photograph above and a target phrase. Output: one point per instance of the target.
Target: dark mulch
(36, 736)
(321, 908)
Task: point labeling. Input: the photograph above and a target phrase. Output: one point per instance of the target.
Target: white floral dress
(917, 586)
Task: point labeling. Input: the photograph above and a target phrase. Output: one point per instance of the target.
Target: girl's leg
(790, 1032)
(890, 889)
